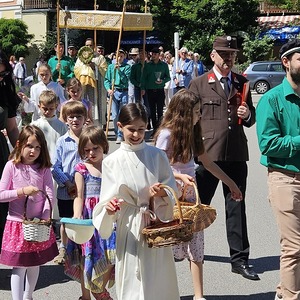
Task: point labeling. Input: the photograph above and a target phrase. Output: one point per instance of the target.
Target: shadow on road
(260, 296)
(49, 274)
(261, 264)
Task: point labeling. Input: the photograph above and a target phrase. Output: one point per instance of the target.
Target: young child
(90, 263)
(179, 135)
(27, 172)
(130, 176)
(74, 90)
(52, 127)
(66, 157)
(31, 105)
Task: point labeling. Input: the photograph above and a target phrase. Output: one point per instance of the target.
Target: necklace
(132, 161)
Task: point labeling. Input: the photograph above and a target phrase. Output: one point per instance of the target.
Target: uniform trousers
(236, 223)
(284, 197)
(156, 100)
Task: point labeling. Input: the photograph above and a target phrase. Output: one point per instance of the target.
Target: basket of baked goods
(35, 229)
(202, 215)
(169, 233)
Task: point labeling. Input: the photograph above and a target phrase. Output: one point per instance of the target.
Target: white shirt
(35, 92)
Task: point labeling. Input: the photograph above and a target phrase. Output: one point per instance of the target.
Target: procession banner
(105, 20)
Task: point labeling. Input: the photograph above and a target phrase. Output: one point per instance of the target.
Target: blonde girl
(46, 83)
(74, 90)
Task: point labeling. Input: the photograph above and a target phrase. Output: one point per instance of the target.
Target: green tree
(256, 48)
(14, 37)
(199, 21)
(289, 5)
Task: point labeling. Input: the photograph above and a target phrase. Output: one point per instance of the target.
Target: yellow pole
(58, 36)
(95, 30)
(144, 40)
(115, 69)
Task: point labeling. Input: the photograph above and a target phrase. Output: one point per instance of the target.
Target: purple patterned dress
(94, 256)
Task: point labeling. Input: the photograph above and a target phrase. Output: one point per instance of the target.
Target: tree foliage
(199, 21)
(14, 37)
(256, 49)
(289, 5)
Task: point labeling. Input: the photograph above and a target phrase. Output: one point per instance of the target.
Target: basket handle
(163, 186)
(46, 196)
(198, 200)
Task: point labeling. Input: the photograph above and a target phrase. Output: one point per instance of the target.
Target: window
(276, 68)
(260, 67)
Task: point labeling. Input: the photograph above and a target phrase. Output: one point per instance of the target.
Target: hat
(78, 230)
(61, 43)
(122, 51)
(134, 51)
(71, 46)
(100, 47)
(289, 48)
(155, 50)
(225, 43)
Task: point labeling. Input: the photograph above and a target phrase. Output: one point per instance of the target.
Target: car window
(260, 67)
(276, 67)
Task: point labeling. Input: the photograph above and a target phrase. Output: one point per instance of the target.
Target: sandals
(103, 296)
(61, 257)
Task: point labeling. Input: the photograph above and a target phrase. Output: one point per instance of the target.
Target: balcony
(75, 4)
(266, 8)
(51, 4)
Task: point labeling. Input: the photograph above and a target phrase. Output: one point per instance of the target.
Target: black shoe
(246, 271)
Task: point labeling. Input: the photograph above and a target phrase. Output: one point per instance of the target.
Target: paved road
(219, 282)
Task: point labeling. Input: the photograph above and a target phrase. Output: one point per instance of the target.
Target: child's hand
(113, 206)
(23, 97)
(30, 190)
(71, 189)
(156, 191)
(185, 178)
(236, 193)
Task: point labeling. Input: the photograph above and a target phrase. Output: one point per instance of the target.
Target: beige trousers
(284, 196)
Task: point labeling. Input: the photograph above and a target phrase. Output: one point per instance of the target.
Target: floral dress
(94, 256)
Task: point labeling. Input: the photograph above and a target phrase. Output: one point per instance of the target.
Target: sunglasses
(4, 73)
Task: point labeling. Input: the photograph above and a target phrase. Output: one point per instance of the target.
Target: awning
(278, 21)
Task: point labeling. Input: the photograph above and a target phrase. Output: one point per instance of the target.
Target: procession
(145, 173)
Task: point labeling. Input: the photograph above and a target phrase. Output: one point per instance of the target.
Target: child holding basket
(179, 135)
(26, 174)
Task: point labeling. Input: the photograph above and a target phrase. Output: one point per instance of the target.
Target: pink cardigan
(18, 176)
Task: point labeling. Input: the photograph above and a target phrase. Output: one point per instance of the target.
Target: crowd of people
(197, 121)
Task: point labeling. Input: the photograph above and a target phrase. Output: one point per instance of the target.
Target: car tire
(261, 87)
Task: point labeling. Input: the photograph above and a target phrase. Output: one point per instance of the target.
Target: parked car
(264, 75)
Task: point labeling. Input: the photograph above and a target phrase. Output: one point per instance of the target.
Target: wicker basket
(171, 233)
(202, 215)
(37, 231)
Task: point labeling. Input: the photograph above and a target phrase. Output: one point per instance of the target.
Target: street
(219, 282)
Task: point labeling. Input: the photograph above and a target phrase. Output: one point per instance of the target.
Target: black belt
(122, 90)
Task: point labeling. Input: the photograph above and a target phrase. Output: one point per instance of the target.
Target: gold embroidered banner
(105, 20)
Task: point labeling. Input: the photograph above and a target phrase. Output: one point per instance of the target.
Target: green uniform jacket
(149, 75)
(278, 128)
(122, 75)
(67, 68)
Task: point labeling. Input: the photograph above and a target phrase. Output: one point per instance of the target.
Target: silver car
(264, 75)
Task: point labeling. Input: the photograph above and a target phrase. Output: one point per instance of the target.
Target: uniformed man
(223, 117)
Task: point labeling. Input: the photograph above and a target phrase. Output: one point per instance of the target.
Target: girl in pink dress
(26, 174)
(179, 135)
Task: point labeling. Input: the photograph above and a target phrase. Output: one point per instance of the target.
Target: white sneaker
(199, 298)
(278, 297)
